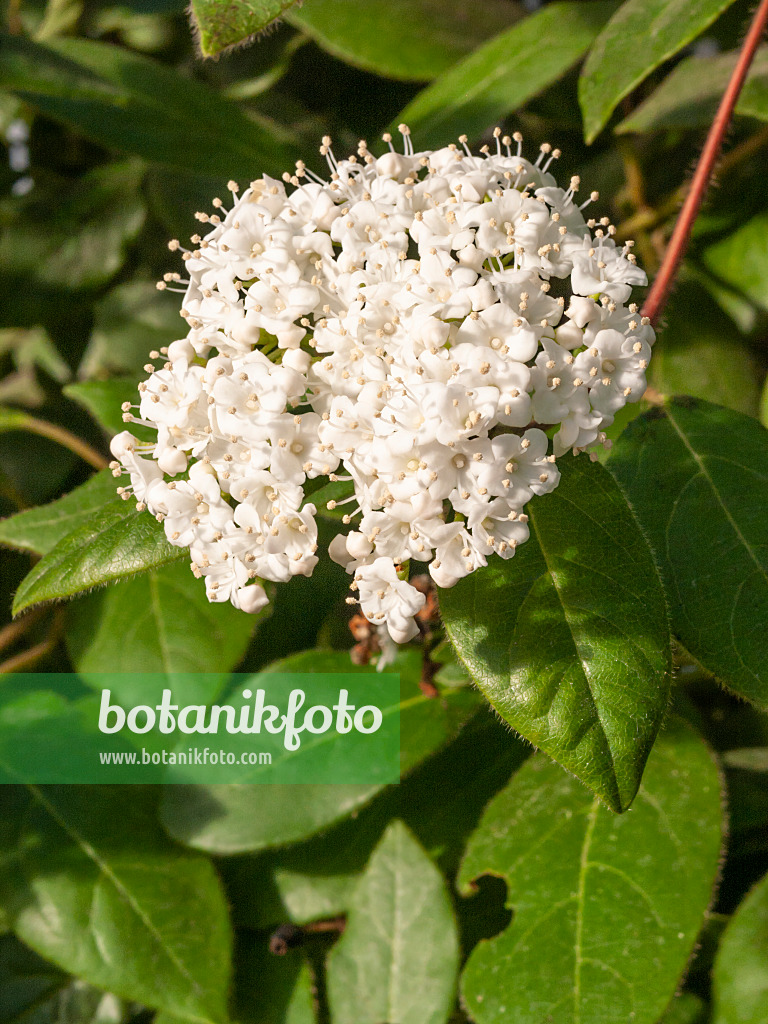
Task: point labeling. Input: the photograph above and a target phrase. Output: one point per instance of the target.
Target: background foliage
(490, 886)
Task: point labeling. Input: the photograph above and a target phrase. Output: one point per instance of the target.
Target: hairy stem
(664, 280)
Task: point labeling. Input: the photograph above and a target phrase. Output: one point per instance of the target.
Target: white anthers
(409, 346)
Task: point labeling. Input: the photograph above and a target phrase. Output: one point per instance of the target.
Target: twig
(14, 630)
(24, 659)
(663, 281)
(67, 439)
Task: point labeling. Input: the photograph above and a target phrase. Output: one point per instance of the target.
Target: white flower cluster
(414, 330)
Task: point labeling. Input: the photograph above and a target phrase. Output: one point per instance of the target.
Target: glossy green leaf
(638, 38)
(160, 621)
(40, 529)
(236, 819)
(130, 321)
(103, 399)
(398, 957)
(740, 976)
(703, 354)
(218, 26)
(697, 477)
(134, 104)
(132, 912)
(414, 40)
(314, 879)
(76, 236)
(569, 639)
(505, 73)
(113, 542)
(688, 97)
(607, 908)
(741, 260)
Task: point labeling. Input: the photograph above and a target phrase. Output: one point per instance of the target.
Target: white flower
(413, 330)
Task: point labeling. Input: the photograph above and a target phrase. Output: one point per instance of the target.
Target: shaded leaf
(697, 477)
(398, 957)
(740, 975)
(160, 621)
(569, 640)
(126, 888)
(113, 542)
(130, 321)
(29, 987)
(40, 529)
(685, 1009)
(607, 908)
(218, 26)
(413, 40)
(314, 879)
(134, 104)
(703, 354)
(505, 73)
(617, 64)
(271, 989)
(103, 399)
(236, 819)
(688, 97)
(741, 260)
(80, 240)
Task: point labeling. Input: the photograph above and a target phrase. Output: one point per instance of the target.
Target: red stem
(678, 243)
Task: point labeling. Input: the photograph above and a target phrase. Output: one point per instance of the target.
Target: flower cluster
(414, 341)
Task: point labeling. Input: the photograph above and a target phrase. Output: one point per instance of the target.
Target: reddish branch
(663, 281)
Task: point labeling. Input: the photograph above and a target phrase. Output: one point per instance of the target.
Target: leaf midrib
(703, 470)
(577, 649)
(106, 871)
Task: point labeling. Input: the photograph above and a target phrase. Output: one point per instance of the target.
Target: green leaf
(505, 73)
(618, 63)
(412, 40)
(270, 989)
(398, 957)
(697, 477)
(688, 97)
(40, 529)
(130, 321)
(218, 26)
(740, 975)
(29, 987)
(741, 260)
(314, 879)
(160, 621)
(113, 542)
(78, 236)
(607, 908)
(569, 640)
(134, 104)
(685, 1009)
(103, 400)
(92, 884)
(703, 354)
(235, 819)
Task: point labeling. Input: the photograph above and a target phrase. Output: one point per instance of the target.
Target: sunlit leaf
(601, 931)
(398, 957)
(503, 74)
(619, 61)
(569, 639)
